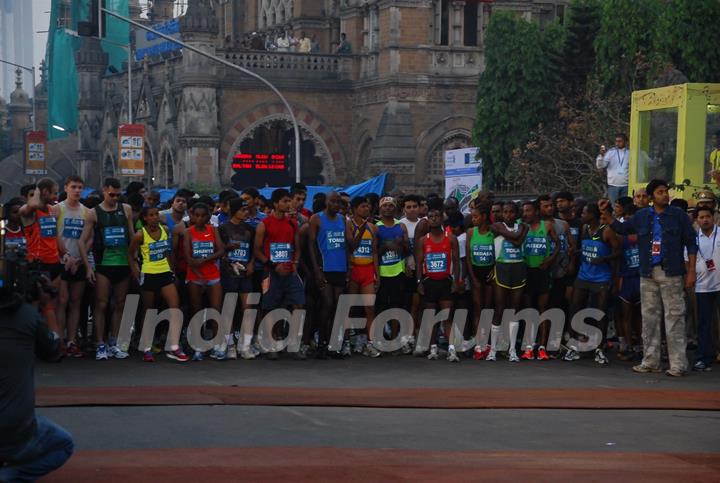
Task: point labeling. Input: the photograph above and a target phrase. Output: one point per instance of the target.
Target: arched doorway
(276, 137)
(435, 173)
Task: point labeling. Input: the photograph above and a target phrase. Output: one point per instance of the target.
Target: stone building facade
(404, 94)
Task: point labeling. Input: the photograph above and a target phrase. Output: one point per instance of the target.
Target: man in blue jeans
(615, 160)
(30, 445)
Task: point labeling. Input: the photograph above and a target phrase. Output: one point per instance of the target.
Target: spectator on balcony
(314, 44)
(344, 47)
(270, 42)
(283, 42)
(256, 42)
(304, 44)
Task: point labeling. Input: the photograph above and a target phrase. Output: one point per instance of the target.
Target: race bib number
(158, 250)
(114, 236)
(574, 231)
(512, 253)
(563, 243)
(632, 257)
(202, 249)
(73, 228)
(281, 252)
(536, 246)
(436, 262)
(240, 254)
(19, 243)
(390, 257)
(48, 226)
(336, 240)
(589, 253)
(483, 254)
(364, 250)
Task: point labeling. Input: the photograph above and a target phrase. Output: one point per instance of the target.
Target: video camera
(18, 276)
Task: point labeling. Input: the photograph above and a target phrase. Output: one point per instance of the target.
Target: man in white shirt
(615, 160)
(707, 287)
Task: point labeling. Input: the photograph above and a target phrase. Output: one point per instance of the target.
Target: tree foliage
(687, 35)
(516, 91)
(578, 54)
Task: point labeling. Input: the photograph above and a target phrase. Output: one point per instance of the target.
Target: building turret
(20, 112)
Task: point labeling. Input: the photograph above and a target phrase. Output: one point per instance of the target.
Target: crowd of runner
(413, 252)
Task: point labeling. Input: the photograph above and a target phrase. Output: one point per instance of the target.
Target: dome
(19, 96)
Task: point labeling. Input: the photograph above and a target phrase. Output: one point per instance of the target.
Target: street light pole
(32, 72)
(296, 127)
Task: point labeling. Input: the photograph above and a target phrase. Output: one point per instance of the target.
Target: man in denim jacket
(664, 232)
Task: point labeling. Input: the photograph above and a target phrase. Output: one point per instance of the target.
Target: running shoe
(177, 355)
(101, 353)
(481, 354)
(700, 366)
(301, 355)
(118, 353)
(73, 350)
(674, 372)
(542, 354)
(528, 354)
(198, 356)
(247, 354)
(371, 351)
(492, 356)
(407, 348)
(571, 354)
(513, 357)
(255, 348)
(346, 349)
(218, 354)
(433, 356)
(643, 369)
(600, 357)
(148, 356)
(452, 355)
(232, 353)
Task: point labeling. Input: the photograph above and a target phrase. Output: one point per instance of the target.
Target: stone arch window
(167, 169)
(108, 167)
(435, 172)
(459, 22)
(274, 12)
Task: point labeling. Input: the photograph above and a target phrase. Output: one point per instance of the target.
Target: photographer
(30, 445)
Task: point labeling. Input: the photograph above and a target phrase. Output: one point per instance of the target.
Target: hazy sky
(41, 21)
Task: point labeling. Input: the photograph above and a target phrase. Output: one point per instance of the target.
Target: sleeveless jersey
(411, 225)
(111, 237)
(505, 251)
(562, 261)
(71, 224)
(155, 252)
(41, 238)
(482, 248)
(438, 257)
(630, 261)
(592, 247)
(536, 246)
(202, 244)
(15, 240)
(279, 243)
(392, 263)
(363, 254)
(331, 243)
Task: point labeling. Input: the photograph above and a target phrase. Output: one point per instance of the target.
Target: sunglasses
(114, 195)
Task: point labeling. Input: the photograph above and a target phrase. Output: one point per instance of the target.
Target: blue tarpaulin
(373, 185)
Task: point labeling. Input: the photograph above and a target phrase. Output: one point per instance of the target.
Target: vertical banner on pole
(132, 149)
(463, 175)
(36, 152)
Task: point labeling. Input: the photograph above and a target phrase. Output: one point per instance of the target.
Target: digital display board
(259, 169)
(272, 162)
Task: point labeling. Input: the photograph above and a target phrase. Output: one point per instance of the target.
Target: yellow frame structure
(691, 102)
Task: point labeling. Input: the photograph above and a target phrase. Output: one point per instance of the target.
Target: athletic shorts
(630, 290)
(510, 275)
(411, 283)
(52, 270)
(78, 276)
(336, 279)
(437, 290)
(204, 282)
(114, 273)
(283, 291)
(592, 287)
(150, 282)
(483, 274)
(363, 275)
(538, 282)
(237, 284)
